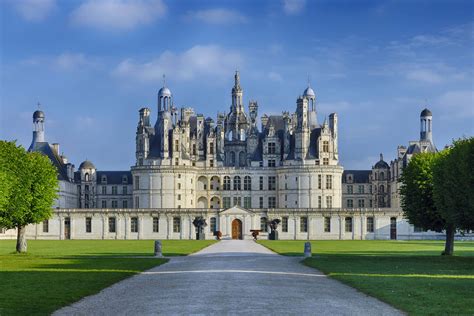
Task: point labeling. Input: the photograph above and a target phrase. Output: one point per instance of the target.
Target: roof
(359, 176)
(87, 165)
(308, 92)
(46, 149)
(38, 114)
(426, 112)
(114, 177)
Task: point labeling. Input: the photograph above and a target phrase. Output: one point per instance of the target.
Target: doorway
(236, 229)
(393, 228)
(67, 228)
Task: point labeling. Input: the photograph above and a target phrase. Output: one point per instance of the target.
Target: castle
(234, 174)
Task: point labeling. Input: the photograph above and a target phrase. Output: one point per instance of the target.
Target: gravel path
(230, 277)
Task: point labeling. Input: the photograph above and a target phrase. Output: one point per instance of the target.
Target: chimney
(56, 148)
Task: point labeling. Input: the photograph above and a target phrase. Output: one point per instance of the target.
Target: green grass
(56, 273)
(410, 275)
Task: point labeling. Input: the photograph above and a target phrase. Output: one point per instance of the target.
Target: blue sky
(93, 64)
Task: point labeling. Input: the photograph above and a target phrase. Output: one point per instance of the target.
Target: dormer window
(271, 148)
(124, 179)
(350, 178)
(104, 179)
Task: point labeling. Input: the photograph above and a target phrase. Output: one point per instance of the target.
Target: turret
(426, 119)
(38, 128)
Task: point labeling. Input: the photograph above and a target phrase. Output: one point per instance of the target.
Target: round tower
(426, 128)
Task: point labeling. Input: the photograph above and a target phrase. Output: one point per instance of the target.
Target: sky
(93, 64)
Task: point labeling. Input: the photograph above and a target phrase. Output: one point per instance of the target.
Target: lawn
(410, 275)
(56, 273)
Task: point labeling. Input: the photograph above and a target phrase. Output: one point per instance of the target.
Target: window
(179, 197)
(361, 203)
(137, 202)
(348, 224)
(194, 149)
(124, 190)
(350, 203)
(370, 203)
(211, 163)
(213, 224)
(103, 179)
(156, 224)
(349, 189)
(46, 226)
(329, 201)
(87, 177)
(124, 179)
(232, 158)
(260, 202)
(381, 189)
(176, 161)
(111, 224)
(261, 183)
(247, 202)
(320, 181)
(88, 225)
(237, 200)
(237, 184)
(361, 189)
(326, 161)
(271, 202)
(325, 146)
(247, 183)
(327, 224)
(137, 183)
(271, 162)
(226, 183)
(104, 189)
(370, 189)
(382, 176)
(263, 224)
(303, 224)
(134, 224)
(272, 183)
(124, 204)
(104, 204)
(226, 201)
(271, 148)
(370, 224)
(284, 224)
(179, 186)
(114, 190)
(176, 224)
(319, 201)
(114, 204)
(211, 148)
(176, 145)
(328, 181)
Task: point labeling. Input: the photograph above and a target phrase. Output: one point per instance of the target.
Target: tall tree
(453, 183)
(32, 186)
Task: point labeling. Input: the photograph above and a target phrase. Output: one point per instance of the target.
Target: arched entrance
(236, 229)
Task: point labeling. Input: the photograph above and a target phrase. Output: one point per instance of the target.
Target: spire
(237, 80)
(381, 157)
(164, 80)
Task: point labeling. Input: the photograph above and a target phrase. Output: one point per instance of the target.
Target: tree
(32, 187)
(417, 193)
(453, 183)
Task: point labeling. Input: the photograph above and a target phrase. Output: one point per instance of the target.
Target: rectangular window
(137, 183)
(361, 189)
(320, 181)
(46, 226)
(329, 182)
(213, 224)
(370, 224)
(211, 148)
(114, 204)
(327, 224)
(176, 145)
(271, 148)
(104, 189)
(263, 224)
(261, 183)
(176, 224)
(325, 161)
(156, 224)
(111, 224)
(328, 201)
(272, 183)
(348, 224)
(350, 189)
(226, 201)
(271, 202)
(350, 203)
(271, 162)
(134, 224)
(370, 203)
(179, 197)
(325, 146)
(247, 202)
(211, 163)
(284, 224)
(303, 224)
(179, 186)
(361, 203)
(124, 190)
(137, 202)
(88, 225)
(260, 202)
(237, 200)
(104, 204)
(320, 201)
(194, 149)
(114, 190)
(124, 204)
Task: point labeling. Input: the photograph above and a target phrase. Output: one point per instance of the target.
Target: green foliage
(31, 186)
(416, 193)
(453, 183)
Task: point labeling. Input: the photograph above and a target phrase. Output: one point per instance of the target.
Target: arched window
(86, 176)
(382, 176)
(243, 136)
(381, 189)
(247, 183)
(242, 159)
(237, 184)
(226, 183)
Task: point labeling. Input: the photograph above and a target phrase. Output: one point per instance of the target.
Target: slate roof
(46, 149)
(114, 177)
(359, 176)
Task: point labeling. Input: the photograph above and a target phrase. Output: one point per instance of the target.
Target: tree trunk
(21, 239)
(449, 246)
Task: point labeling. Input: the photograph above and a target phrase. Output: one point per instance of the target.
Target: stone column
(295, 220)
(341, 232)
(127, 229)
(140, 226)
(61, 227)
(104, 227)
(190, 218)
(169, 226)
(71, 226)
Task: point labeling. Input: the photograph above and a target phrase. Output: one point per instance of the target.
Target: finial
(39, 105)
(309, 80)
(381, 156)
(164, 80)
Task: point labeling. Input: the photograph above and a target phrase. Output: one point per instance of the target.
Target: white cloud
(424, 75)
(293, 6)
(200, 60)
(275, 76)
(459, 103)
(34, 10)
(65, 61)
(117, 14)
(217, 16)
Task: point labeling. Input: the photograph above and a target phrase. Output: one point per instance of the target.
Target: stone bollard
(307, 249)
(158, 252)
